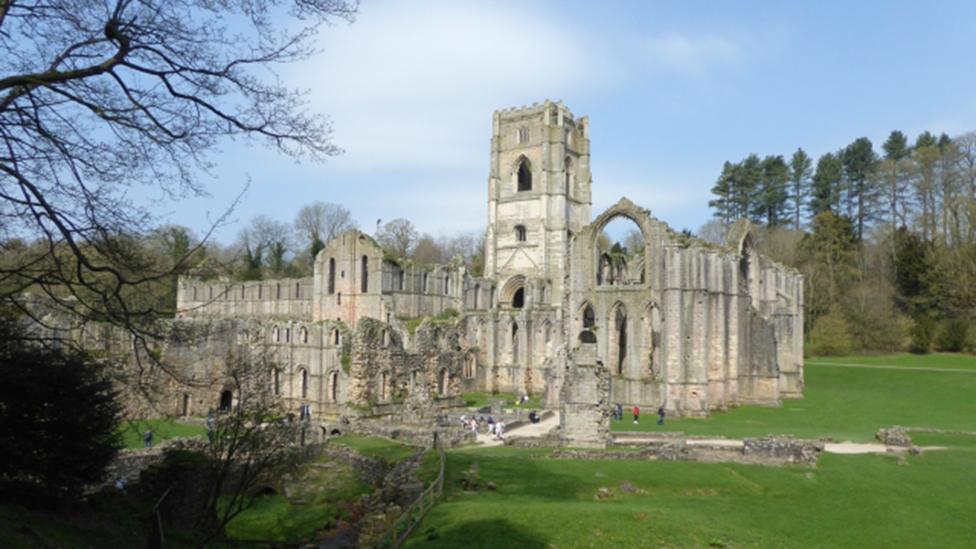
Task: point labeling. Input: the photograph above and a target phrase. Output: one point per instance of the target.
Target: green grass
(162, 429)
(319, 495)
(847, 403)
(390, 450)
(847, 501)
(479, 399)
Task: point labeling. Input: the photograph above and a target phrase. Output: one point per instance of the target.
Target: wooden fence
(414, 513)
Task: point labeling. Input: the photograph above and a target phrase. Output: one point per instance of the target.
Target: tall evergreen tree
(826, 188)
(860, 163)
(926, 158)
(747, 181)
(895, 170)
(771, 194)
(722, 203)
(800, 171)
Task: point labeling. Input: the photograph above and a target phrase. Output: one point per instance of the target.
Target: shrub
(953, 335)
(60, 417)
(831, 335)
(921, 335)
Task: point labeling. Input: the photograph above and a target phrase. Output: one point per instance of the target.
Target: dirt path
(528, 430)
(891, 367)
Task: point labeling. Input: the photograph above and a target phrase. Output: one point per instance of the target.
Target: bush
(921, 335)
(59, 426)
(831, 335)
(953, 335)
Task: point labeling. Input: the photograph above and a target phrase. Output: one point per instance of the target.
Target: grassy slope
(162, 429)
(868, 500)
(852, 403)
(480, 399)
(378, 447)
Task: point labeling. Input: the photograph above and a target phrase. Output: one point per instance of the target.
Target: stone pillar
(584, 416)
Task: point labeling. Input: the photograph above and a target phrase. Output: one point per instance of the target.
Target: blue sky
(672, 90)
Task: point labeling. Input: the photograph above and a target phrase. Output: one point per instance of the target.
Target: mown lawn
(846, 402)
(390, 450)
(163, 429)
(846, 501)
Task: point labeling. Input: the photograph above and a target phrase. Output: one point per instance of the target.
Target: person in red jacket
(636, 413)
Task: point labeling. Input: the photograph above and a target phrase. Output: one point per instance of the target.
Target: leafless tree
(398, 237)
(98, 97)
(321, 222)
(267, 243)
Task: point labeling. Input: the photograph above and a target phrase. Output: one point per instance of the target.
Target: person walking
(636, 414)
(147, 439)
(660, 415)
(210, 425)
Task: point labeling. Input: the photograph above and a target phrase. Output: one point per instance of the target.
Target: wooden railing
(414, 513)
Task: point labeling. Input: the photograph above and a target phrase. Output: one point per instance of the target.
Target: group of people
(618, 413)
(496, 429)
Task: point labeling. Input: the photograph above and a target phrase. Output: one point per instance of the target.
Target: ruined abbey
(682, 323)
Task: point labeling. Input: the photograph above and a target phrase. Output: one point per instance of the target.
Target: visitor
(524, 399)
(210, 425)
(147, 439)
(474, 427)
(500, 430)
(618, 412)
(636, 414)
(533, 417)
(464, 420)
(660, 415)
(491, 425)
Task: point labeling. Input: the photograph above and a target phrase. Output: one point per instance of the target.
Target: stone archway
(226, 400)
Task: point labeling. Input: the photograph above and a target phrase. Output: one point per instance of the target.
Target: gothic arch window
(424, 283)
(401, 279)
(365, 275)
(275, 334)
(589, 318)
(520, 233)
(522, 135)
(304, 334)
(335, 336)
(524, 175)
(276, 381)
(619, 335)
(518, 298)
(339, 298)
(477, 290)
(568, 168)
(332, 269)
(334, 386)
(303, 381)
(288, 334)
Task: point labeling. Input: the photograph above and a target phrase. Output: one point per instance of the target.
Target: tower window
(520, 233)
(522, 135)
(524, 176)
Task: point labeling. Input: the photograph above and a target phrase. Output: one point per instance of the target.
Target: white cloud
(413, 84)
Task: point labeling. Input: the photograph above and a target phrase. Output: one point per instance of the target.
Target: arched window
(520, 233)
(288, 335)
(524, 176)
(518, 298)
(334, 386)
(402, 278)
(339, 298)
(568, 168)
(424, 283)
(477, 290)
(331, 275)
(226, 400)
(383, 386)
(276, 381)
(303, 374)
(589, 319)
(335, 336)
(304, 334)
(275, 334)
(365, 276)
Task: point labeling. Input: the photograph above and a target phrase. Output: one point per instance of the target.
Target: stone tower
(538, 197)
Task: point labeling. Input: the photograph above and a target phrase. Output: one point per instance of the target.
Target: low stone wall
(760, 451)
(131, 462)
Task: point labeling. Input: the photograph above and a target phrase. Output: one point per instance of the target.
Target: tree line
(886, 239)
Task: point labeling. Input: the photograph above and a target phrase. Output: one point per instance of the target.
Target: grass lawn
(479, 399)
(847, 402)
(847, 500)
(390, 450)
(318, 496)
(162, 429)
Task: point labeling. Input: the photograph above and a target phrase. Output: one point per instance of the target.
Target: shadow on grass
(515, 473)
(479, 533)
